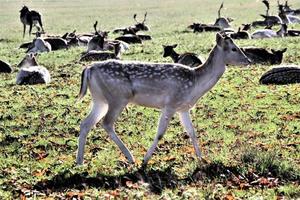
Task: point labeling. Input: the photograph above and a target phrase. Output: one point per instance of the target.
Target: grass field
(249, 133)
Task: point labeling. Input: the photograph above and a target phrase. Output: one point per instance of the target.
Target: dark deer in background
(222, 21)
(31, 18)
(262, 56)
(189, 59)
(139, 26)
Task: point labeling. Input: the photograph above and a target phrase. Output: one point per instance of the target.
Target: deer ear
(219, 39)
(273, 51)
(174, 46)
(164, 46)
(283, 50)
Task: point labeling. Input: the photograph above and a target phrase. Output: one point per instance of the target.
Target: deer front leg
(164, 120)
(30, 28)
(114, 110)
(24, 29)
(186, 121)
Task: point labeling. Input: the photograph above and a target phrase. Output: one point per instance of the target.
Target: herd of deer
(170, 87)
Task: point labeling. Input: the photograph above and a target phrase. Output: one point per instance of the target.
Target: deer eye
(234, 49)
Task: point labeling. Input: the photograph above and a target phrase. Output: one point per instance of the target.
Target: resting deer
(262, 56)
(240, 34)
(169, 87)
(39, 45)
(139, 26)
(31, 18)
(267, 33)
(189, 59)
(99, 55)
(287, 18)
(31, 73)
(5, 67)
(222, 21)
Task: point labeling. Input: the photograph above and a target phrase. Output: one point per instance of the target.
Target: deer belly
(149, 100)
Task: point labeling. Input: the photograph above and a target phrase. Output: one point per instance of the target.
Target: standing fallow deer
(172, 88)
(31, 18)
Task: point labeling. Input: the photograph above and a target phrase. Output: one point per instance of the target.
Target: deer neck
(207, 75)
(174, 56)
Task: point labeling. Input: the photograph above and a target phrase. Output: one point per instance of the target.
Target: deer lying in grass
(169, 87)
(5, 67)
(139, 26)
(263, 56)
(222, 21)
(267, 33)
(198, 27)
(287, 18)
(282, 75)
(99, 55)
(288, 10)
(39, 45)
(31, 73)
(31, 18)
(188, 59)
(240, 34)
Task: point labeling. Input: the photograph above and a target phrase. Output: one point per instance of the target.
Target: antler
(219, 11)
(145, 17)
(267, 4)
(95, 27)
(134, 17)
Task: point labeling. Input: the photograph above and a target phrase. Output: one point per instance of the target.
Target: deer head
(141, 25)
(28, 61)
(168, 50)
(232, 54)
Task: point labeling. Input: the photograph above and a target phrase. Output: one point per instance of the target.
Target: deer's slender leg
(98, 111)
(186, 121)
(41, 24)
(30, 27)
(24, 30)
(114, 110)
(164, 120)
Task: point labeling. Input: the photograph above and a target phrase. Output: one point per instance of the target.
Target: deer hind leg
(114, 110)
(164, 120)
(186, 121)
(98, 111)
(41, 24)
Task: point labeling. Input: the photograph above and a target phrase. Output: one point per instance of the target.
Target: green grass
(247, 131)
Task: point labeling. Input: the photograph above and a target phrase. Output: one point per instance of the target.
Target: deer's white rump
(169, 87)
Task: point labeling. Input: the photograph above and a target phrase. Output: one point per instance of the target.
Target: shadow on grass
(158, 180)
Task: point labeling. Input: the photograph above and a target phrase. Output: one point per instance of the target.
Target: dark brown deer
(189, 59)
(282, 75)
(263, 56)
(240, 34)
(5, 67)
(139, 26)
(31, 18)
